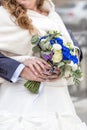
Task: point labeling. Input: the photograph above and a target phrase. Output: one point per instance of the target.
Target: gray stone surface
(81, 108)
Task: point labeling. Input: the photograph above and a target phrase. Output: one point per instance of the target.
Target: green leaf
(66, 61)
(45, 46)
(60, 64)
(36, 49)
(62, 72)
(76, 76)
(35, 39)
(78, 73)
(68, 67)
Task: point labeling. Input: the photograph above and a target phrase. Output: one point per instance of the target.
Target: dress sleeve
(56, 17)
(6, 19)
(2, 16)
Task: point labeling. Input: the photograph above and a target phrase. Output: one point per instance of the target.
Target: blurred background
(74, 15)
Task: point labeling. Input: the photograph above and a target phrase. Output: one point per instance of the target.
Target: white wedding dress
(52, 108)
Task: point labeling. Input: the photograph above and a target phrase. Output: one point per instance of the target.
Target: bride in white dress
(52, 108)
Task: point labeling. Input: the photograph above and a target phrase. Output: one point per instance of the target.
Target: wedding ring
(53, 70)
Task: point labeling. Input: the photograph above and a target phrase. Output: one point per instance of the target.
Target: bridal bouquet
(54, 49)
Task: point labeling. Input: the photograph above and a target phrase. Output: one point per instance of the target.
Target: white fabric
(16, 74)
(16, 40)
(52, 108)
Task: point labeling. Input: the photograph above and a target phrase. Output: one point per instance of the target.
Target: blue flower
(64, 48)
(74, 59)
(67, 55)
(52, 41)
(59, 41)
(44, 37)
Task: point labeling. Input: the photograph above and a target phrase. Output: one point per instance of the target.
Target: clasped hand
(38, 70)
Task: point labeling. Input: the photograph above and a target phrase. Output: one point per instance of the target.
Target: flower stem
(32, 86)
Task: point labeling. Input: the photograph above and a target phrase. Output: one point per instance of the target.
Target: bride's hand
(37, 65)
(52, 74)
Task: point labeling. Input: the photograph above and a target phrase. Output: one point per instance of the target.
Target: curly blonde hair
(19, 12)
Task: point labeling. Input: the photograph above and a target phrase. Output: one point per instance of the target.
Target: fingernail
(49, 65)
(36, 73)
(42, 74)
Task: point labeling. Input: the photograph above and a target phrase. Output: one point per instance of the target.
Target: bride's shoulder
(4, 16)
(2, 9)
(4, 13)
(48, 5)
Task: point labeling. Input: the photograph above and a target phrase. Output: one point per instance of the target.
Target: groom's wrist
(17, 72)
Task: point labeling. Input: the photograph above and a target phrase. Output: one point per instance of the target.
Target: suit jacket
(8, 65)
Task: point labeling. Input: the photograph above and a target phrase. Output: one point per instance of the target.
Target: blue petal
(59, 41)
(52, 41)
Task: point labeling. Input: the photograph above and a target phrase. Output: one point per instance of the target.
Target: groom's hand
(52, 74)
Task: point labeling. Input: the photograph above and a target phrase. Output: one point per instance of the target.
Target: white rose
(57, 57)
(74, 66)
(56, 47)
(67, 73)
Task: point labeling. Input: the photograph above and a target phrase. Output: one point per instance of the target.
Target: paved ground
(81, 108)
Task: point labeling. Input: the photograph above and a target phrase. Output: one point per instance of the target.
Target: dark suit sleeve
(76, 44)
(7, 67)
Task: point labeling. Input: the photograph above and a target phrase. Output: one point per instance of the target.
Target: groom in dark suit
(7, 67)
(10, 67)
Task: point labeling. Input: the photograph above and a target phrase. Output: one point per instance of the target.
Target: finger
(35, 78)
(39, 80)
(41, 65)
(38, 68)
(44, 77)
(56, 68)
(47, 73)
(57, 72)
(31, 67)
(53, 77)
(51, 80)
(44, 62)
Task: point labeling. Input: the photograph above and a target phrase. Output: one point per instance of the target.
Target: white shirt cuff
(16, 74)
